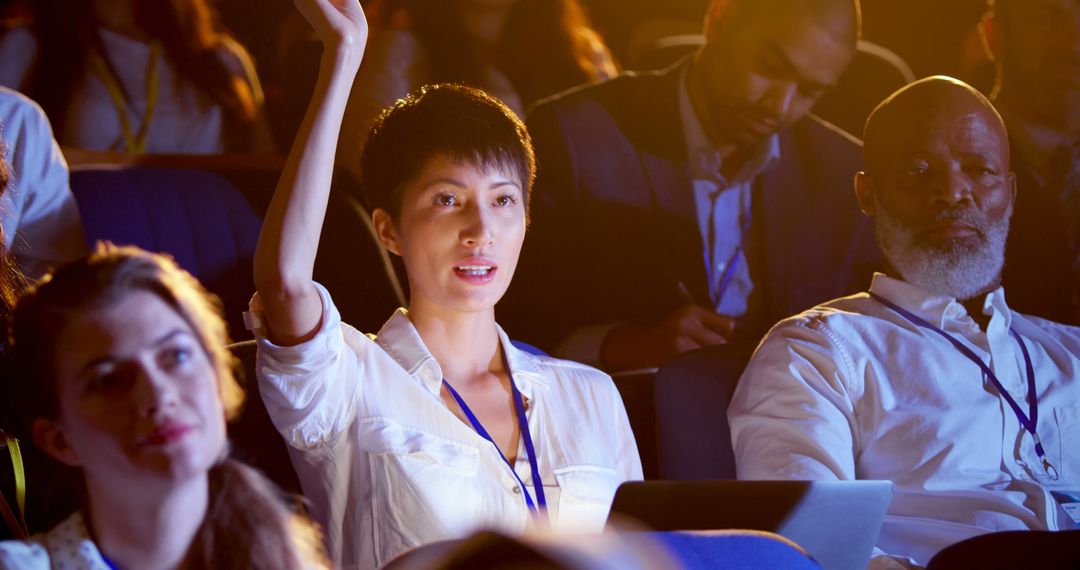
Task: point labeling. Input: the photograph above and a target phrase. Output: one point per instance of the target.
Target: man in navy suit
(697, 206)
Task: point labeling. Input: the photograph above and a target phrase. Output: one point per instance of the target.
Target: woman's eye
(175, 356)
(445, 199)
(108, 382)
(505, 200)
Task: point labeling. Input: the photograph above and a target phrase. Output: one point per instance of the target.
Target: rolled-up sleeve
(311, 390)
(792, 416)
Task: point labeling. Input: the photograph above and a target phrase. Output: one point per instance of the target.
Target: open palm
(337, 22)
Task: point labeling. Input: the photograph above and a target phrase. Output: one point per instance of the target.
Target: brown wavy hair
(247, 524)
(192, 39)
(546, 46)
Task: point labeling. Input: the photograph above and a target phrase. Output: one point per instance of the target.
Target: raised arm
(285, 256)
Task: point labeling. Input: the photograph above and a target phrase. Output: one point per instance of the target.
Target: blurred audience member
(137, 76)
(1037, 47)
(121, 368)
(932, 36)
(37, 211)
(519, 51)
(422, 433)
(699, 205)
(930, 380)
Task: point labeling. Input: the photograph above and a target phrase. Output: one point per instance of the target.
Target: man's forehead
(974, 127)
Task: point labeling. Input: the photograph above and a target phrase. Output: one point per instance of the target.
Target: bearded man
(929, 380)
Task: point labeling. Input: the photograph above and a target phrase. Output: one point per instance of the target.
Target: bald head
(938, 184)
(931, 104)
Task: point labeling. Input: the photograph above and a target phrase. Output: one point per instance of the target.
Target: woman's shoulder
(66, 545)
(23, 554)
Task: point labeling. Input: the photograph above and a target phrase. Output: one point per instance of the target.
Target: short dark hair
(460, 122)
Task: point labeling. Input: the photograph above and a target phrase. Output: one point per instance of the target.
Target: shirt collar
(700, 148)
(937, 309)
(400, 339)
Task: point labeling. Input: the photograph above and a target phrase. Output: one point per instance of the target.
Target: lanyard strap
(733, 259)
(530, 449)
(1029, 421)
(18, 525)
(134, 142)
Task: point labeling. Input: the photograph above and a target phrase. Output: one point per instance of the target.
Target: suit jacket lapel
(663, 151)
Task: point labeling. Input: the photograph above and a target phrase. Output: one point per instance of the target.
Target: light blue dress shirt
(723, 208)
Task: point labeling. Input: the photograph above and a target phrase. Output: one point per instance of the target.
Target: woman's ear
(50, 438)
(385, 231)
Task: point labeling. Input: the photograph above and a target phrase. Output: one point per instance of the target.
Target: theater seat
(198, 217)
(210, 222)
(1013, 549)
(692, 396)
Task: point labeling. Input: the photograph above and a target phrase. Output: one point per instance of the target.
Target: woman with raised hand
(438, 425)
(122, 370)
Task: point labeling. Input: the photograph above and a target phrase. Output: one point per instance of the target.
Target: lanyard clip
(1050, 470)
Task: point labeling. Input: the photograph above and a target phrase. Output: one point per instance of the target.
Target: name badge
(1070, 501)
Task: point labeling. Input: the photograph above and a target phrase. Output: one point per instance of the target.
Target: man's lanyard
(530, 450)
(733, 259)
(1029, 421)
(135, 142)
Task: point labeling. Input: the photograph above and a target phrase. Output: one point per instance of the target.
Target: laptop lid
(837, 522)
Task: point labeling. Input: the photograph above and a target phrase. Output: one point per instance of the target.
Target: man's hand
(632, 346)
(886, 562)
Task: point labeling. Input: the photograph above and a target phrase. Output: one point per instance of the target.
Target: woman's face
(138, 395)
(459, 233)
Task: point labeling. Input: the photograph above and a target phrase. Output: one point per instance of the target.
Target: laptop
(837, 522)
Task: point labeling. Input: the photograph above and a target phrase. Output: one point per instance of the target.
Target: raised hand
(338, 23)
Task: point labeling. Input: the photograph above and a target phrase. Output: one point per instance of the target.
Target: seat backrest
(197, 217)
(1012, 549)
(692, 395)
(874, 74)
(210, 224)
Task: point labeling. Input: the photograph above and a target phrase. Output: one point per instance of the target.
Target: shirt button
(517, 490)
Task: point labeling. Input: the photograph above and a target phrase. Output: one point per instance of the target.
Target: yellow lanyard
(135, 142)
(17, 525)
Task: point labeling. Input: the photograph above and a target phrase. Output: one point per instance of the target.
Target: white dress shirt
(68, 545)
(37, 211)
(389, 467)
(853, 390)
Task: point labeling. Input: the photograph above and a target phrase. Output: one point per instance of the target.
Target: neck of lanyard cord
(135, 142)
(1028, 421)
(530, 449)
(733, 260)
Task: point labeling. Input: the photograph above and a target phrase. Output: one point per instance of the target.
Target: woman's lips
(166, 434)
(476, 273)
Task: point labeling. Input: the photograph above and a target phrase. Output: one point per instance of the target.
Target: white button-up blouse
(387, 466)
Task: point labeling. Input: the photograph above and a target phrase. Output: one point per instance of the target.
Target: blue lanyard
(530, 449)
(1030, 420)
(733, 259)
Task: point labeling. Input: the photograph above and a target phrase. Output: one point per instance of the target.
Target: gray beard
(964, 269)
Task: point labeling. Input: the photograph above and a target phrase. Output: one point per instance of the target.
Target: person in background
(137, 76)
(517, 50)
(437, 426)
(1036, 44)
(931, 380)
(696, 206)
(121, 368)
(37, 210)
